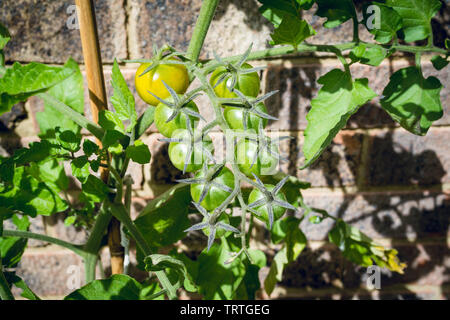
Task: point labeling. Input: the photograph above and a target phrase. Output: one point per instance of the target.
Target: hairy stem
(201, 28)
(30, 235)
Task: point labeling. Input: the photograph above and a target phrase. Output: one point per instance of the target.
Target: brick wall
(391, 184)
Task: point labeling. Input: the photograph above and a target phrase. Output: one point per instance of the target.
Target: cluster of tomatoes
(157, 82)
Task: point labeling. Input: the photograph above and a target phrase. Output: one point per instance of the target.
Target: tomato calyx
(270, 199)
(179, 103)
(212, 223)
(194, 141)
(249, 105)
(266, 145)
(234, 70)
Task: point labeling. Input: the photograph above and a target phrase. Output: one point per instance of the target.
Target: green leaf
(20, 82)
(276, 270)
(413, 101)
(372, 56)
(439, 63)
(90, 147)
(336, 12)
(295, 239)
(217, 280)
(159, 262)
(416, 15)
(117, 287)
(95, 188)
(360, 249)
(4, 36)
(144, 122)
(139, 152)
(276, 10)
(71, 93)
(30, 196)
(80, 168)
(69, 140)
(51, 172)
(26, 293)
(123, 99)
(12, 248)
(337, 100)
(383, 26)
(164, 219)
(111, 138)
(292, 30)
(110, 121)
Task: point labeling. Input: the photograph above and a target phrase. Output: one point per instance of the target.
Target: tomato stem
(201, 28)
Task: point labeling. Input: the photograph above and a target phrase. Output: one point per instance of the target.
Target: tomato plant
(34, 181)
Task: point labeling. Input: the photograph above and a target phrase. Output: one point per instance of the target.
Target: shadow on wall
(417, 222)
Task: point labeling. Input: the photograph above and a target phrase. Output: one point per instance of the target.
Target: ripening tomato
(278, 211)
(163, 112)
(175, 75)
(215, 196)
(235, 118)
(179, 150)
(248, 83)
(265, 163)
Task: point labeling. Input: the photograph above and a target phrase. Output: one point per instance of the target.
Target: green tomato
(163, 112)
(234, 117)
(219, 231)
(278, 211)
(265, 163)
(248, 83)
(179, 150)
(215, 196)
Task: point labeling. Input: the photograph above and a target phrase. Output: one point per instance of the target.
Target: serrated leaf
(95, 188)
(90, 147)
(217, 280)
(338, 99)
(336, 12)
(80, 168)
(382, 21)
(22, 81)
(292, 30)
(164, 219)
(416, 15)
(30, 196)
(276, 10)
(439, 63)
(117, 287)
(4, 36)
(413, 101)
(110, 121)
(276, 270)
(12, 248)
(123, 99)
(360, 249)
(18, 282)
(70, 92)
(372, 56)
(139, 152)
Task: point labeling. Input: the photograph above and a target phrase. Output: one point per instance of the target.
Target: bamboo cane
(98, 102)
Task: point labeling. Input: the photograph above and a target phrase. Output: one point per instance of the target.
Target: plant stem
(30, 235)
(201, 28)
(5, 291)
(284, 50)
(76, 117)
(119, 211)
(92, 246)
